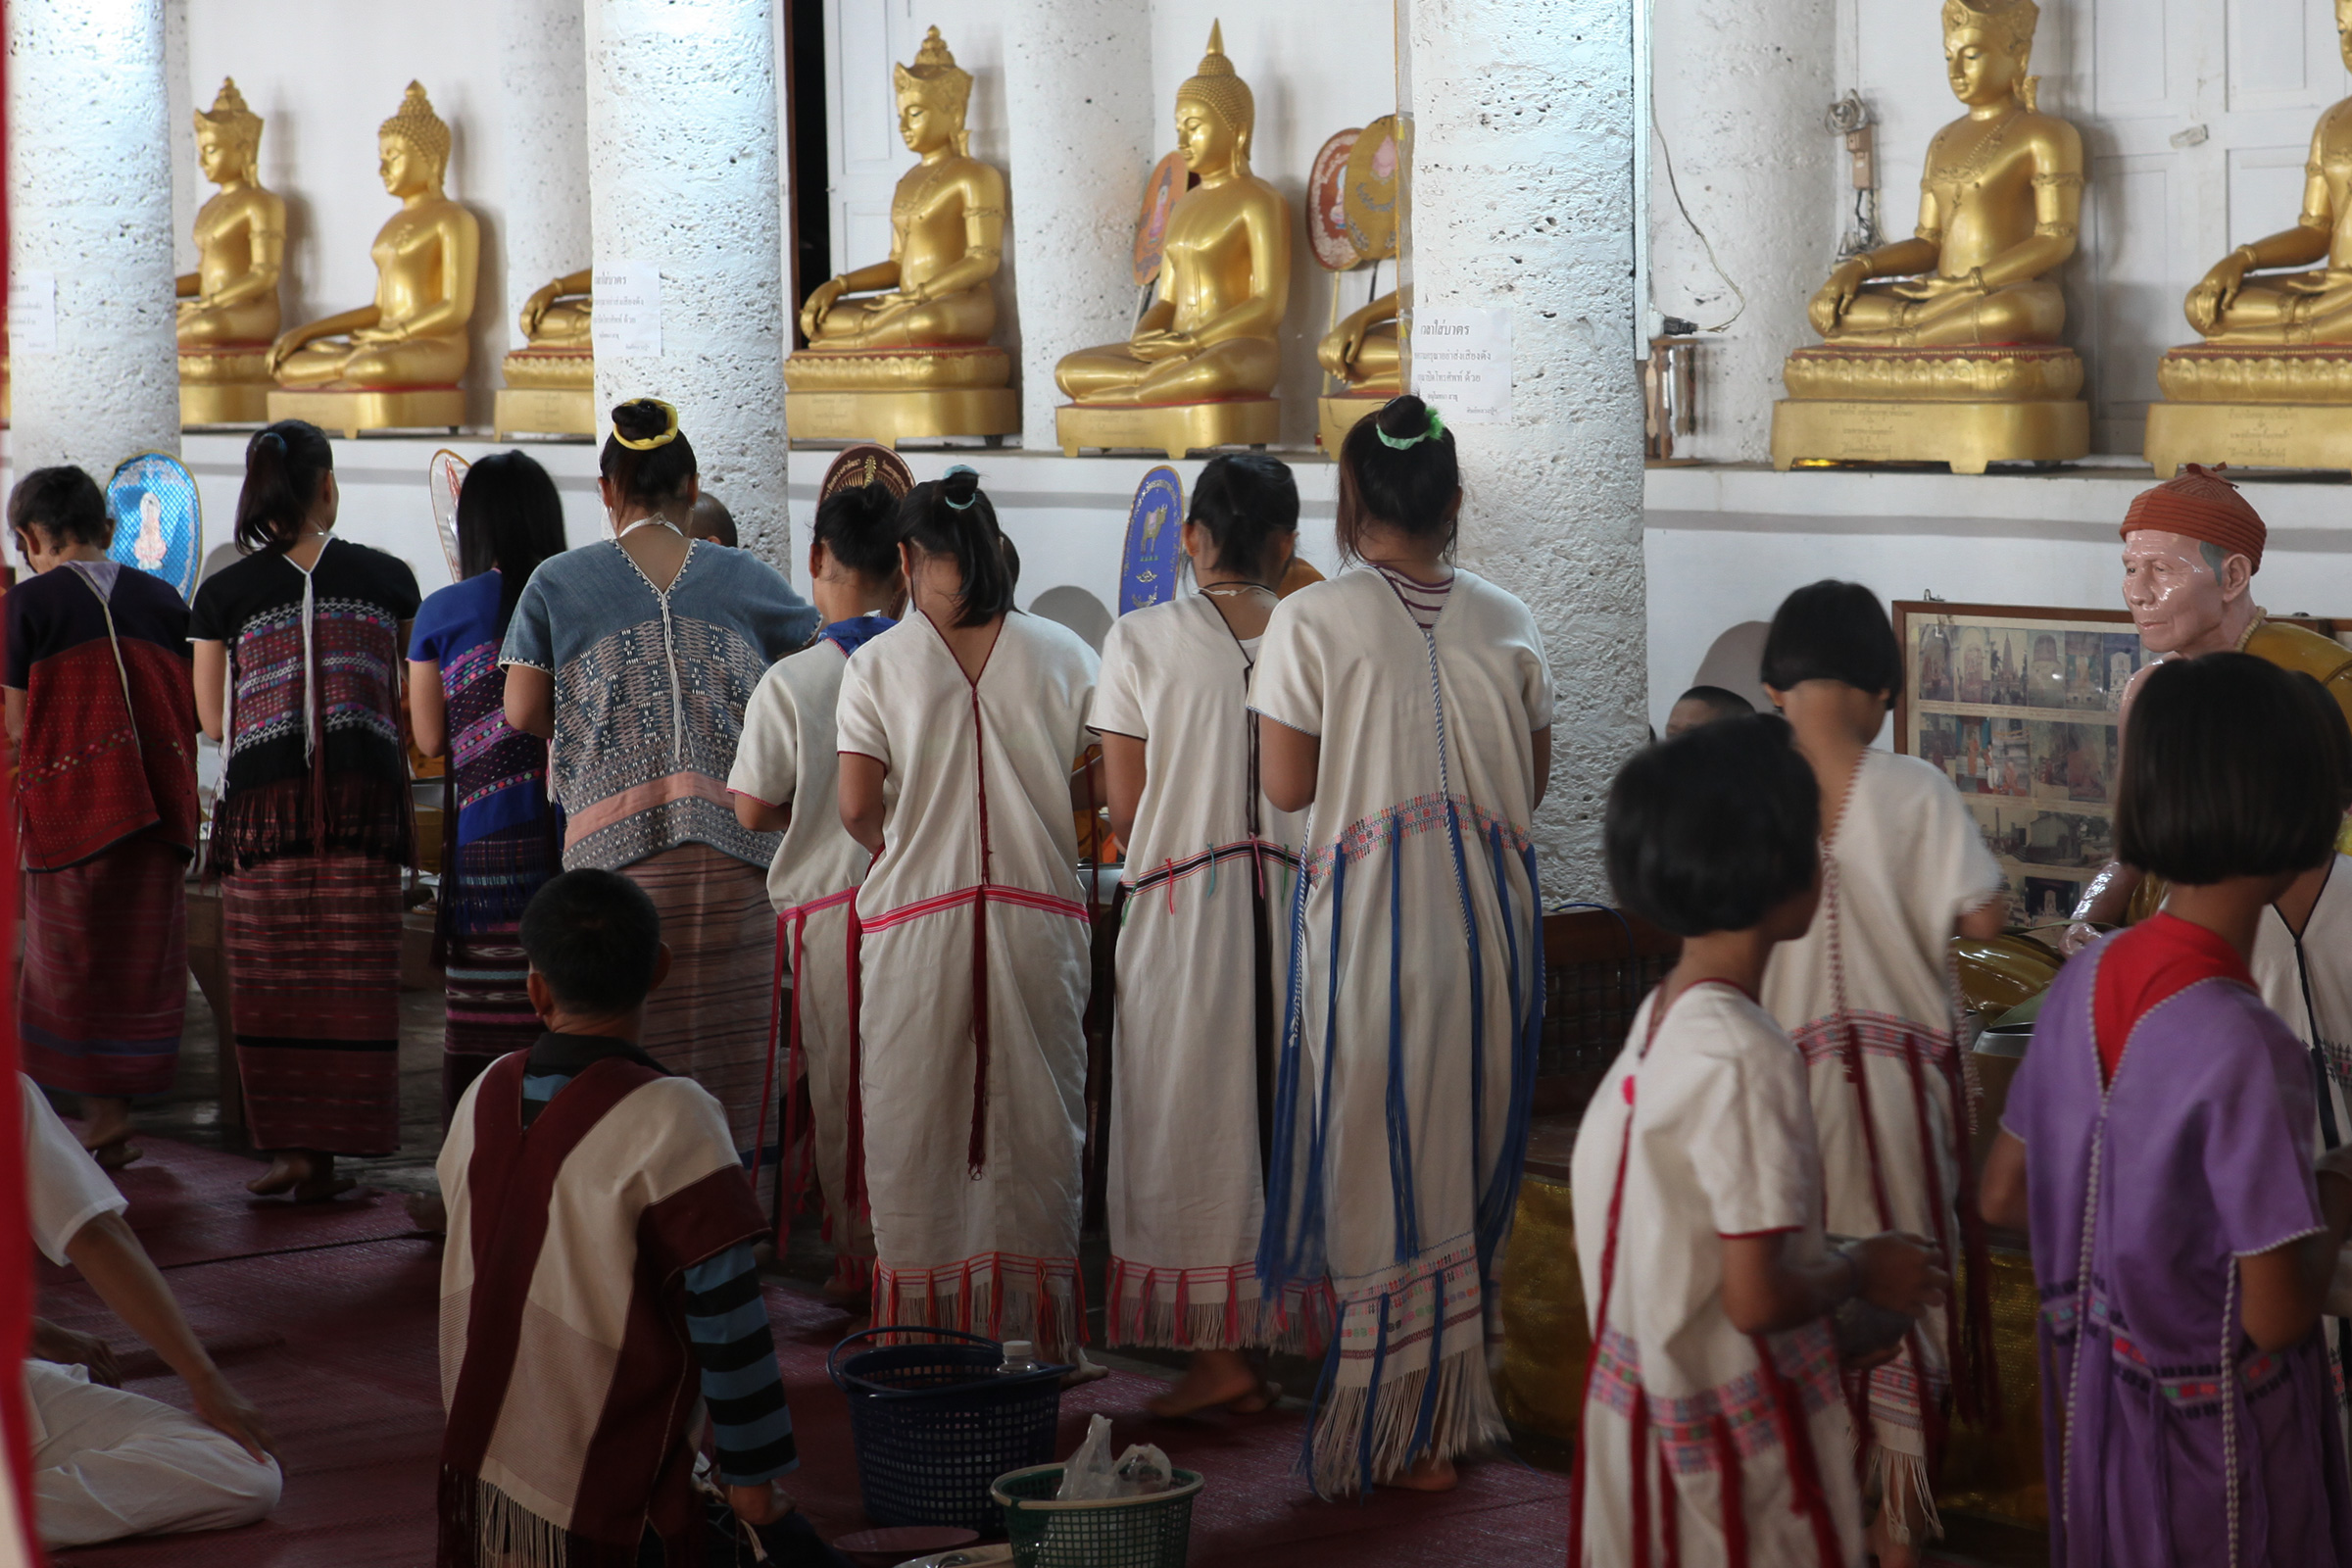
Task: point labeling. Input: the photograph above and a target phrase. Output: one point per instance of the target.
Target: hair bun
(639, 417)
(1404, 415)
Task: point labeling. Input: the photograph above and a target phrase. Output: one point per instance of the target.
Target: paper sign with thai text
(1462, 363)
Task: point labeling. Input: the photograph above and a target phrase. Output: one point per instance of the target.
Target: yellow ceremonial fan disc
(1368, 192)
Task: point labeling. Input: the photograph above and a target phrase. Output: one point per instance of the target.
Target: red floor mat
(189, 1206)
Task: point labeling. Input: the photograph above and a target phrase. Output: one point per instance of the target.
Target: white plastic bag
(1090, 1476)
(1143, 1470)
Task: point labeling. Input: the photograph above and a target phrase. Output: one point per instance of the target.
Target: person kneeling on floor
(599, 1254)
(109, 1463)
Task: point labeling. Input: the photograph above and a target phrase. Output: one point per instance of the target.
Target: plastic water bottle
(1020, 1355)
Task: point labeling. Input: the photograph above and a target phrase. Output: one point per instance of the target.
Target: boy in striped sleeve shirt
(597, 1283)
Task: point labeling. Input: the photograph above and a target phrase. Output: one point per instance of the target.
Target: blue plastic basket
(936, 1424)
(1154, 1531)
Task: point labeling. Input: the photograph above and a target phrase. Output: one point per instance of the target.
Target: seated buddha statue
(561, 315)
(550, 379)
(2268, 384)
(914, 328)
(1965, 311)
(1361, 350)
(427, 257)
(1225, 274)
(228, 305)
(1999, 209)
(240, 233)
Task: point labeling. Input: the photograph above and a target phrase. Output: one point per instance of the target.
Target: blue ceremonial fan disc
(159, 521)
(1155, 541)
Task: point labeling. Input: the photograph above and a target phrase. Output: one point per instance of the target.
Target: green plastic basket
(1149, 1532)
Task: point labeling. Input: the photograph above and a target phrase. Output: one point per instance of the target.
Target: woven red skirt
(105, 986)
(313, 962)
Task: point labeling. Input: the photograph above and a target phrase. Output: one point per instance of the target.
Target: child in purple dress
(2158, 1140)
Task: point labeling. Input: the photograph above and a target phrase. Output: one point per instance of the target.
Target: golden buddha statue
(1201, 365)
(427, 258)
(1960, 359)
(2268, 384)
(920, 321)
(1361, 350)
(228, 305)
(551, 380)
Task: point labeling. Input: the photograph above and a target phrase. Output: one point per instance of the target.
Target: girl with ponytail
(960, 729)
(297, 674)
(502, 841)
(1405, 704)
(635, 656)
(787, 781)
(1203, 953)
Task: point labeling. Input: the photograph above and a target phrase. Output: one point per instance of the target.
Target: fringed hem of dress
(1365, 1436)
(1214, 1309)
(362, 813)
(995, 1294)
(482, 1527)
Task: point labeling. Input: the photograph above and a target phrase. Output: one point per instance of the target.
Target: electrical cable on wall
(1666, 157)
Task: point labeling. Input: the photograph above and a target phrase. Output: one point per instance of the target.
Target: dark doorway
(805, 150)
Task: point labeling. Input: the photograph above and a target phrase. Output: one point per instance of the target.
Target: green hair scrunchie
(1437, 428)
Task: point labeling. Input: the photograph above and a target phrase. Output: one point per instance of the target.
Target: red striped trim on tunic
(992, 893)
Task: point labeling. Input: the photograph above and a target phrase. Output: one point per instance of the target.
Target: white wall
(323, 75)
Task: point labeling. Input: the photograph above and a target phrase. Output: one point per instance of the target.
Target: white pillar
(543, 141)
(1522, 200)
(180, 113)
(1761, 175)
(89, 176)
(682, 172)
(1078, 103)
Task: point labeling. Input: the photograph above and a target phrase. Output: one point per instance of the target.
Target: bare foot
(105, 1119)
(306, 1175)
(1428, 1473)
(852, 1290)
(1084, 1372)
(426, 1212)
(1215, 1378)
(112, 1157)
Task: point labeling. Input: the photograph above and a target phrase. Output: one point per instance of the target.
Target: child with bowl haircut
(1715, 1430)
(2157, 1144)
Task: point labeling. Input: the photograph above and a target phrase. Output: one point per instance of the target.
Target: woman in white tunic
(1410, 708)
(1715, 1433)
(958, 730)
(1202, 951)
(2302, 965)
(1866, 995)
(788, 758)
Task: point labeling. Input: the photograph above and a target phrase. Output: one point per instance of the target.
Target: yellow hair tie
(669, 434)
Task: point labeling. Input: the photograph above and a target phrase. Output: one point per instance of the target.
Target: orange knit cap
(2202, 505)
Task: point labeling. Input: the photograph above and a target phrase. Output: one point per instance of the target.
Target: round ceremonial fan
(1169, 179)
(444, 478)
(865, 464)
(1148, 565)
(159, 520)
(1326, 210)
(1369, 194)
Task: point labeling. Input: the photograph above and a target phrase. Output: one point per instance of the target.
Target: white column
(1522, 200)
(543, 135)
(180, 113)
(682, 172)
(1078, 104)
(1761, 175)
(89, 176)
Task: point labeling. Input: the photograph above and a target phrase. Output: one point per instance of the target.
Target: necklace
(1224, 589)
(656, 520)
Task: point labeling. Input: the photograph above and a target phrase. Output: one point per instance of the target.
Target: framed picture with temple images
(2022, 708)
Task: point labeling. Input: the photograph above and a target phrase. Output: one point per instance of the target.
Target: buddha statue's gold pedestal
(892, 395)
(225, 384)
(353, 409)
(548, 391)
(1968, 407)
(1176, 428)
(2257, 406)
(1336, 415)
